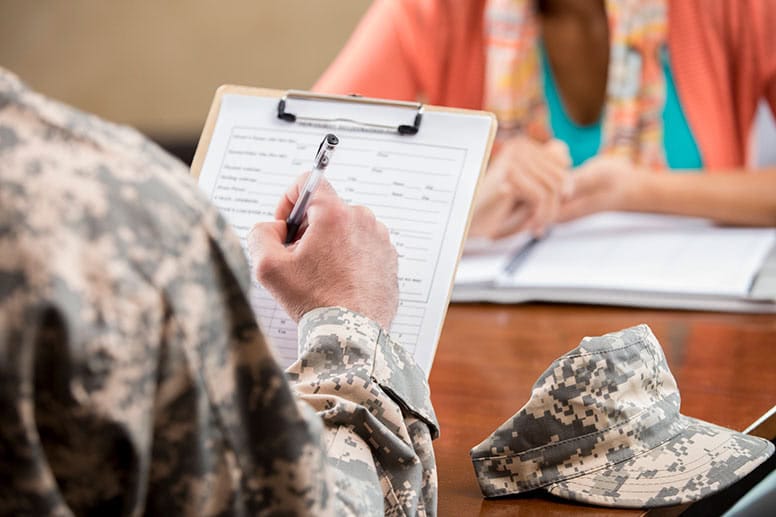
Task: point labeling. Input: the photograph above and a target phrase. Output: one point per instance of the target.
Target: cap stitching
(646, 482)
(641, 340)
(574, 475)
(564, 442)
(756, 452)
(576, 438)
(611, 464)
(601, 352)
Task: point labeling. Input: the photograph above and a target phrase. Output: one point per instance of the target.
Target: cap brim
(700, 461)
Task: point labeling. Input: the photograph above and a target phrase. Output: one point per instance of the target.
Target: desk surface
(489, 356)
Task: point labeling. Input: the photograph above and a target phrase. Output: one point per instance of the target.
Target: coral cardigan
(723, 56)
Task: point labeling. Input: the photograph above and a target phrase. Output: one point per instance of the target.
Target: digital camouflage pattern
(133, 376)
(603, 426)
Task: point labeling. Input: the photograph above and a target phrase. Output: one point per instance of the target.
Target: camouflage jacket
(133, 376)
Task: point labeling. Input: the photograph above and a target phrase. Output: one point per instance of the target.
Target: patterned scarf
(632, 119)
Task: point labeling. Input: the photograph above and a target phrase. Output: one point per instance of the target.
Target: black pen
(322, 158)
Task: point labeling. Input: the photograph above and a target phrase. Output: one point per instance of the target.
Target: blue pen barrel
(294, 220)
(322, 158)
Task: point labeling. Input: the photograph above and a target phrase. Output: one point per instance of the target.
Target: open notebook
(419, 181)
(629, 259)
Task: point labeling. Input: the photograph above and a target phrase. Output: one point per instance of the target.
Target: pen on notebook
(322, 158)
(520, 255)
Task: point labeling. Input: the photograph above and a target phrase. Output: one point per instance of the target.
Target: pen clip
(323, 152)
(318, 153)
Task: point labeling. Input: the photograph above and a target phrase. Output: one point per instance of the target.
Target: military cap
(603, 426)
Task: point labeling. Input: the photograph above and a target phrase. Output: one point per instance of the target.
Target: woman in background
(619, 89)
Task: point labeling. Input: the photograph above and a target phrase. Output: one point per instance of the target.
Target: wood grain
(489, 356)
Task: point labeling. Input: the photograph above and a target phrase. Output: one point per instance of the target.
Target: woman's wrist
(640, 192)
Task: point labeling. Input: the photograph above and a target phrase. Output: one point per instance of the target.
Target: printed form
(420, 186)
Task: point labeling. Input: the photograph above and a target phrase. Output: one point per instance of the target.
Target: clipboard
(417, 167)
(284, 113)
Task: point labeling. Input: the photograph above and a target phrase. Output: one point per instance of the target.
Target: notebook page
(648, 253)
(419, 186)
(484, 259)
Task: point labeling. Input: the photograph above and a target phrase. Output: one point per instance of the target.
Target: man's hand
(342, 257)
(522, 189)
(604, 183)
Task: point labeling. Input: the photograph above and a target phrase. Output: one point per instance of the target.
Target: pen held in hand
(322, 159)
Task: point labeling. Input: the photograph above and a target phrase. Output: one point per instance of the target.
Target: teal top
(681, 150)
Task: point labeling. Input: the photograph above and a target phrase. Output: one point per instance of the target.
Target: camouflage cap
(603, 427)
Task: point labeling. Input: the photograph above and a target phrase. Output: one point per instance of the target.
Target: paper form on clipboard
(420, 185)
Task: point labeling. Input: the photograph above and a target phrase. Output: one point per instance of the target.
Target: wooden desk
(489, 356)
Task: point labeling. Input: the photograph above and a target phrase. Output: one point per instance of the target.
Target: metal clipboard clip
(402, 129)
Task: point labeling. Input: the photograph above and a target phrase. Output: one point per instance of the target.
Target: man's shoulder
(68, 176)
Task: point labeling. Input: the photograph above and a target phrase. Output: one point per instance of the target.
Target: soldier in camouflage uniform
(134, 376)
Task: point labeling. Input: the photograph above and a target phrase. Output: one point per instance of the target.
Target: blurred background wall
(155, 64)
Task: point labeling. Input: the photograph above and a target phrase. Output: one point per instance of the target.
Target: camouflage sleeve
(374, 403)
